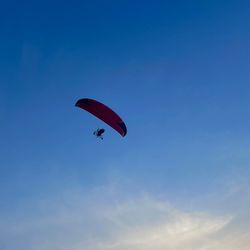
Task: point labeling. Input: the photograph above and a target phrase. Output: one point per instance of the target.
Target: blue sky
(178, 74)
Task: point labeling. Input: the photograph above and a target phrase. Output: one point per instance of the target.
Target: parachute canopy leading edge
(104, 113)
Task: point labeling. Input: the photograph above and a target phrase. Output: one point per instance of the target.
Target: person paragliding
(99, 133)
(104, 113)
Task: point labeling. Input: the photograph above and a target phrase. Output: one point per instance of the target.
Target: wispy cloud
(104, 220)
(150, 224)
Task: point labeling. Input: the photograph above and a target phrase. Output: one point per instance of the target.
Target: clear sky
(177, 72)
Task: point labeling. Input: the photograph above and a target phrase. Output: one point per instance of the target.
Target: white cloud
(103, 220)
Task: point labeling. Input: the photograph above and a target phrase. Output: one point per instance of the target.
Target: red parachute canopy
(104, 113)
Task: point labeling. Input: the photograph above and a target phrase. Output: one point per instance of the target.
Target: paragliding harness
(98, 133)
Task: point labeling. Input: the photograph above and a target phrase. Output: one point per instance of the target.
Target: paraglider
(99, 133)
(104, 113)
